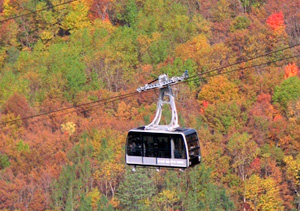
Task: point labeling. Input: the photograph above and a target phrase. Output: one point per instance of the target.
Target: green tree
(136, 189)
(131, 13)
(74, 179)
(240, 22)
(85, 203)
(203, 194)
(178, 67)
(225, 116)
(4, 161)
(104, 205)
(288, 90)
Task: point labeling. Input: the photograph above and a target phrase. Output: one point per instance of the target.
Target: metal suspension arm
(164, 90)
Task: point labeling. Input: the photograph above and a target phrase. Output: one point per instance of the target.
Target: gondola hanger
(157, 145)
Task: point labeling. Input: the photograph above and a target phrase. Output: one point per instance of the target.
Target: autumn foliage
(247, 115)
(291, 70)
(276, 21)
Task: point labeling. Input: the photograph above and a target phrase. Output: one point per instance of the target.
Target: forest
(62, 147)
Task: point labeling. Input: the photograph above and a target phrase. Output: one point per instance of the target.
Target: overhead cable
(36, 11)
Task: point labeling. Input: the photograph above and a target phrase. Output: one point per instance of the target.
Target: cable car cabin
(163, 145)
(162, 148)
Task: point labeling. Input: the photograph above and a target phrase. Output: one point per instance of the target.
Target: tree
(263, 194)
(74, 180)
(77, 18)
(199, 50)
(85, 203)
(224, 117)
(293, 175)
(17, 104)
(291, 70)
(99, 9)
(104, 205)
(165, 200)
(136, 189)
(276, 22)
(243, 150)
(288, 90)
(218, 89)
(203, 194)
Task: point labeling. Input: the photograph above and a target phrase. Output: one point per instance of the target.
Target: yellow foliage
(293, 169)
(2, 57)
(110, 170)
(219, 89)
(68, 127)
(123, 112)
(104, 25)
(114, 202)
(114, 140)
(8, 10)
(165, 200)
(15, 127)
(202, 24)
(77, 18)
(199, 50)
(156, 36)
(95, 196)
(294, 109)
(176, 22)
(263, 194)
(171, 196)
(222, 11)
(194, 49)
(46, 35)
(145, 41)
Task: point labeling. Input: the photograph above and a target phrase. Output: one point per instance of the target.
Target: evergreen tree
(85, 204)
(136, 188)
(203, 194)
(104, 205)
(73, 181)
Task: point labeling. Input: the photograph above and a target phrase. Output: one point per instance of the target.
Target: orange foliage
(204, 103)
(256, 165)
(263, 106)
(291, 70)
(278, 118)
(99, 10)
(17, 104)
(275, 21)
(1, 5)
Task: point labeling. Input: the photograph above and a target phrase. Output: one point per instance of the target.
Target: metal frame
(164, 90)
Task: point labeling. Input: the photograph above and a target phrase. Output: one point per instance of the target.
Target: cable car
(163, 145)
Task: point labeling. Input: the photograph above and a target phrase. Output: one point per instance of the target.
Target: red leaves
(256, 163)
(263, 106)
(275, 21)
(291, 70)
(99, 9)
(17, 104)
(204, 103)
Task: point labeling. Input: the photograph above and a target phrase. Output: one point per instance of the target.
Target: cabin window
(193, 145)
(156, 145)
(134, 145)
(163, 147)
(148, 146)
(179, 148)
